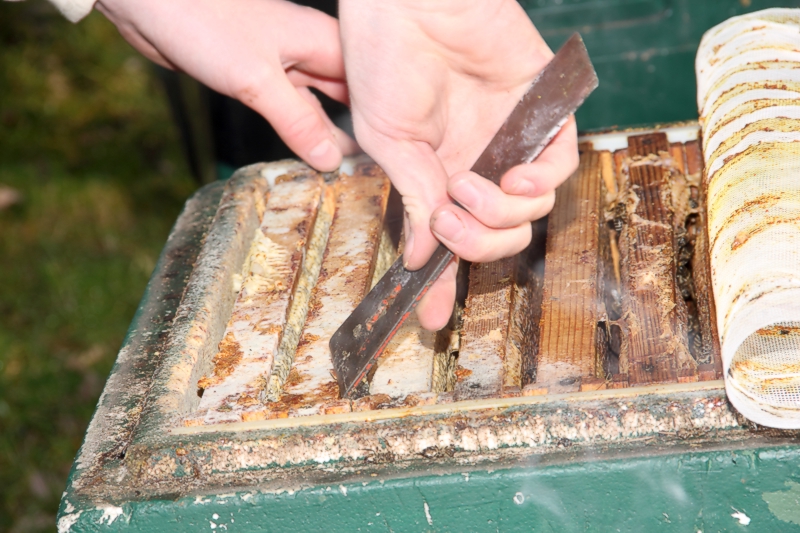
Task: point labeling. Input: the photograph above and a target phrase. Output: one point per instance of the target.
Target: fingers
(419, 177)
(301, 124)
(491, 206)
(469, 239)
(553, 166)
(336, 89)
(435, 308)
(421, 182)
(345, 143)
(318, 50)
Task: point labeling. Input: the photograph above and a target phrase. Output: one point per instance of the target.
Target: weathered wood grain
(480, 370)
(266, 286)
(570, 303)
(711, 362)
(406, 365)
(345, 276)
(657, 349)
(608, 283)
(527, 310)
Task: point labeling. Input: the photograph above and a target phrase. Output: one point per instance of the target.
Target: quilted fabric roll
(748, 79)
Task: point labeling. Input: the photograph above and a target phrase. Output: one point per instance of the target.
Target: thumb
(299, 123)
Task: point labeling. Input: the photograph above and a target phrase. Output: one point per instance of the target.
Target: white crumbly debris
(741, 517)
(110, 514)
(427, 513)
(68, 520)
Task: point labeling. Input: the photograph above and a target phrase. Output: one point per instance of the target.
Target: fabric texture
(73, 10)
(748, 95)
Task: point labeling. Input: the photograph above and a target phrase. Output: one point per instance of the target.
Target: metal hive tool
(556, 93)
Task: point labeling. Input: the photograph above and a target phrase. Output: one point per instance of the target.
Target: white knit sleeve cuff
(74, 10)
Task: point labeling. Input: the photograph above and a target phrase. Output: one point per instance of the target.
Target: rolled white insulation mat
(748, 79)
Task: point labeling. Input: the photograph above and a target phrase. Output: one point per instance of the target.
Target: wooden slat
(344, 279)
(608, 280)
(406, 366)
(568, 326)
(527, 311)
(485, 329)
(657, 348)
(701, 271)
(251, 339)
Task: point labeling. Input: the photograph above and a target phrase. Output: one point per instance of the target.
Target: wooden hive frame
(225, 379)
(621, 300)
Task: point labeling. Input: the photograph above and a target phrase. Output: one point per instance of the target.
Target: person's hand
(266, 53)
(430, 84)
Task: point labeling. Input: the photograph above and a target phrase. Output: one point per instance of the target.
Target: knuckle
(247, 87)
(503, 218)
(546, 205)
(302, 127)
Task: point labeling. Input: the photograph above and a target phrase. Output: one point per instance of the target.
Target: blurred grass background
(87, 140)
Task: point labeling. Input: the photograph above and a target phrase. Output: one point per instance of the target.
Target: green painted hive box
(533, 410)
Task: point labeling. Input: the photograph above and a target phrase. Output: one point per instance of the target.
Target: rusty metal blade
(556, 93)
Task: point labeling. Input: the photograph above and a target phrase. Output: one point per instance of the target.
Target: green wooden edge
(643, 51)
(120, 405)
(686, 492)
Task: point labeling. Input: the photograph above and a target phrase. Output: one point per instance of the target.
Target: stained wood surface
(480, 370)
(247, 351)
(597, 301)
(345, 277)
(568, 325)
(406, 366)
(657, 349)
(530, 283)
(701, 269)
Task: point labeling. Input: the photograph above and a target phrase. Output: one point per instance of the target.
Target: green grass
(86, 137)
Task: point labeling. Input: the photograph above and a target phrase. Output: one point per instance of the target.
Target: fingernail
(448, 226)
(523, 187)
(408, 244)
(324, 155)
(466, 194)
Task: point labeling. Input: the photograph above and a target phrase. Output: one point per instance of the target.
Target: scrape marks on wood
(657, 349)
(246, 353)
(570, 302)
(406, 366)
(344, 279)
(711, 362)
(480, 371)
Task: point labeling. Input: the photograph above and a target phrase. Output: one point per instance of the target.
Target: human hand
(430, 85)
(266, 53)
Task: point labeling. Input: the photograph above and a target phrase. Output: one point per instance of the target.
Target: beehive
(612, 293)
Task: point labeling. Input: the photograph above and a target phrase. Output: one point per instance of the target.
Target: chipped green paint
(679, 492)
(785, 504)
